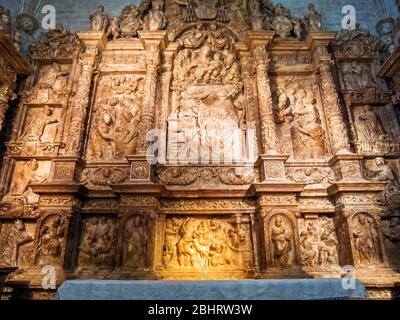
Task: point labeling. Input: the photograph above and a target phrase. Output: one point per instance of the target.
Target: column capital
(256, 38)
(96, 39)
(318, 39)
(154, 38)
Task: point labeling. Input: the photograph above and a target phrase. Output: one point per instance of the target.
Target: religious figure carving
(113, 31)
(97, 248)
(99, 20)
(318, 244)
(369, 129)
(203, 244)
(50, 240)
(383, 173)
(36, 129)
(357, 76)
(136, 240)
(313, 20)
(157, 18)
(29, 173)
(282, 242)
(365, 236)
(11, 240)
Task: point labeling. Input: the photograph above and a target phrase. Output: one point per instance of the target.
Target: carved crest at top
(56, 43)
(356, 43)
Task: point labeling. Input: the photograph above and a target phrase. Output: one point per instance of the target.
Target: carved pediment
(57, 43)
(356, 43)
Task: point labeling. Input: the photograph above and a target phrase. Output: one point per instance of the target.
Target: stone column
(93, 43)
(153, 43)
(68, 167)
(271, 160)
(333, 112)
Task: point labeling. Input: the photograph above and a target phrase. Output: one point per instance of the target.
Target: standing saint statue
(313, 20)
(281, 238)
(99, 20)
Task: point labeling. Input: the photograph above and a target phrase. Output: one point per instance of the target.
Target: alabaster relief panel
(98, 244)
(137, 230)
(280, 241)
(40, 131)
(49, 84)
(104, 176)
(387, 171)
(200, 243)
(365, 237)
(371, 137)
(318, 242)
(299, 117)
(115, 121)
(358, 76)
(208, 111)
(24, 174)
(50, 239)
(16, 242)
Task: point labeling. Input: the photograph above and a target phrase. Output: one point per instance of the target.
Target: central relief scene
(208, 119)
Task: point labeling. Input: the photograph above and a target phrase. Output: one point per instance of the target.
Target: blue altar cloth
(302, 289)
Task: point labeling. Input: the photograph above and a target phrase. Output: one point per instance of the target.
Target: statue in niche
(313, 20)
(306, 126)
(36, 129)
(136, 242)
(99, 20)
(131, 22)
(328, 246)
(369, 129)
(11, 241)
(364, 234)
(383, 173)
(113, 30)
(97, 247)
(102, 145)
(53, 78)
(391, 232)
(281, 239)
(357, 76)
(30, 173)
(51, 240)
(308, 253)
(157, 18)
